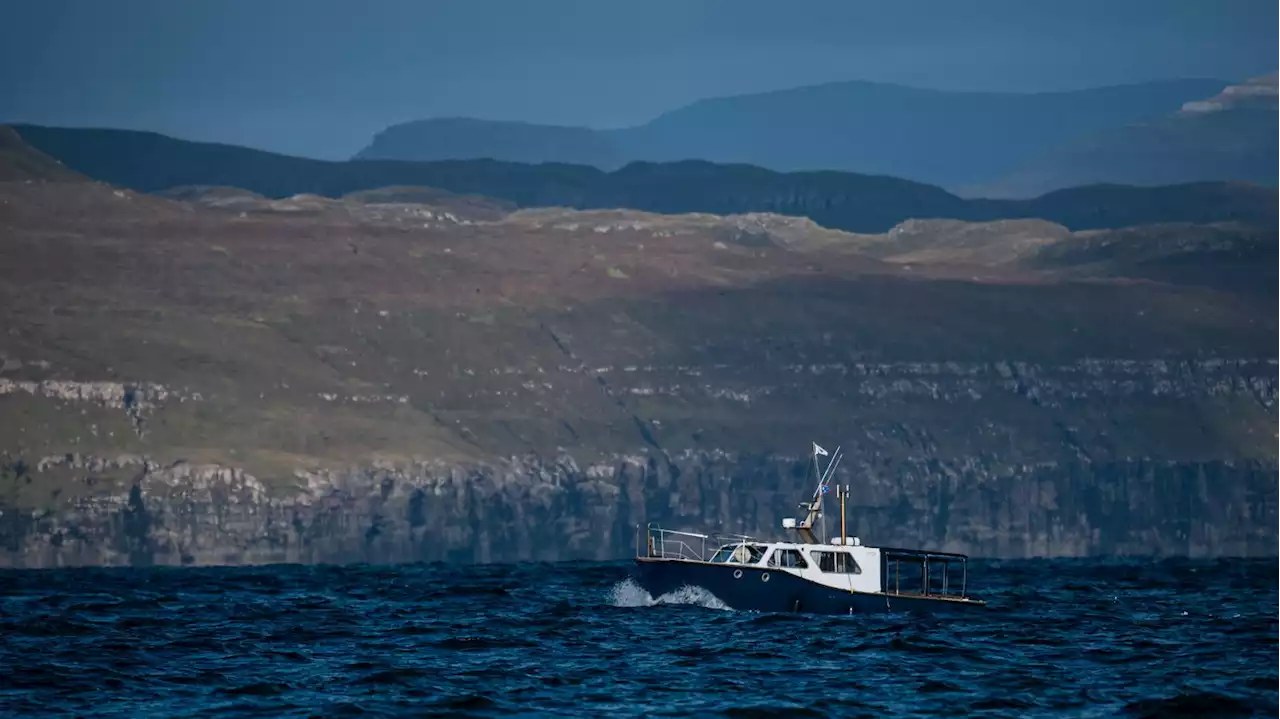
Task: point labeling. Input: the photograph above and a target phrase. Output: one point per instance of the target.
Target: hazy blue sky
(319, 77)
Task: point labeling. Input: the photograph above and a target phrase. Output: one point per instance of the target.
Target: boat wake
(629, 594)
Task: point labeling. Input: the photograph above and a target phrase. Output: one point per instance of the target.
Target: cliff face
(388, 380)
(184, 514)
(909, 488)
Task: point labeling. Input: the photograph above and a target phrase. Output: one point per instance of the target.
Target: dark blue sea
(1059, 639)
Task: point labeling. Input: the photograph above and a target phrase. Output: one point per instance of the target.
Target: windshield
(738, 554)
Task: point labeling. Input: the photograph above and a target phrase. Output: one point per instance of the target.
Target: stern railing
(918, 573)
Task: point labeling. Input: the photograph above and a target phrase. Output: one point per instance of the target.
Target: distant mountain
(1231, 136)
(149, 162)
(950, 139)
(467, 139)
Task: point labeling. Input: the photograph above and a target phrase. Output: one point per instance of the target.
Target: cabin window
(787, 558)
(836, 562)
(739, 554)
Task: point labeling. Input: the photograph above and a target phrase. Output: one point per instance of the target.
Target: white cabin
(839, 565)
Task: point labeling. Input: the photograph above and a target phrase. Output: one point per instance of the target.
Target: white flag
(819, 450)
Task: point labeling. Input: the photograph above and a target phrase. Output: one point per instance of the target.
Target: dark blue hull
(780, 592)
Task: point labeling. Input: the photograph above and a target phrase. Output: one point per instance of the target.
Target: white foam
(629, 594)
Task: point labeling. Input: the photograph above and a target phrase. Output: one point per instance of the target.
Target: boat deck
(929, 575)
(838, 574)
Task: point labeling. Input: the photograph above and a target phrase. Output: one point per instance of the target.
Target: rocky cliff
(1008, 499)
(383, 379)
(552, 509)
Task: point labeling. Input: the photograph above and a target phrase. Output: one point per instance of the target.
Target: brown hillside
(19, 162)
(325, 349)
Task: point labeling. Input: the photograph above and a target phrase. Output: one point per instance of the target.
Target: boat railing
(921, 573)
(673, 544)
(662, 543)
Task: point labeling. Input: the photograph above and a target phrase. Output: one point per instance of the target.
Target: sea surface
(1059, 639)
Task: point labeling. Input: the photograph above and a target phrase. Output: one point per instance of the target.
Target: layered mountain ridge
(1230, 136)
(148, 162)
(834, 126)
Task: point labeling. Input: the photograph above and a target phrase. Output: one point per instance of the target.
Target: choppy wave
(627, 593)
(1061, 638)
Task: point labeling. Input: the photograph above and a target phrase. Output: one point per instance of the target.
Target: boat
(813, 574)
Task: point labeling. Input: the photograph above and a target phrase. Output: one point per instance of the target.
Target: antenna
(814, 506)
(824, 476)
(822, 486)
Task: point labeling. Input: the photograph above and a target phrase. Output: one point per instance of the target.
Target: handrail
(670, 544)
(654, 526)
(673, 544)
(895, 557)
(951, 556)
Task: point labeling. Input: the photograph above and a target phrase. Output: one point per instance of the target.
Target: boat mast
(843, 492)
(814, 506)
